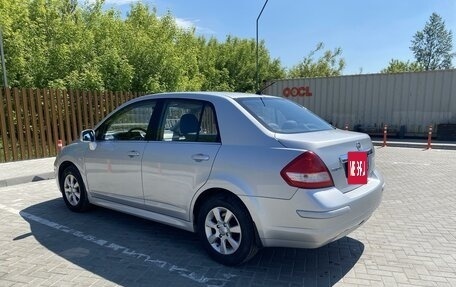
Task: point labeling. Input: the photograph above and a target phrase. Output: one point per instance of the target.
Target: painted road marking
(172, 268)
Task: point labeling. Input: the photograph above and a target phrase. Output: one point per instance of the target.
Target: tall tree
(398, 66)
(235, 58)
(433, 45)
(329, 64)
(70, 44)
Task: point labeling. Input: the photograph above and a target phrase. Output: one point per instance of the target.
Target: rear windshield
(283, 116)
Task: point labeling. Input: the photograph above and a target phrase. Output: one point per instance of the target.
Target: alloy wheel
(72, 189)
(223, 231)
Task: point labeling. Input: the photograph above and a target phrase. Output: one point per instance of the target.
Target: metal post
(59, 145)
(257, 71)
(429, 137)
(385, 132)
(5, 81)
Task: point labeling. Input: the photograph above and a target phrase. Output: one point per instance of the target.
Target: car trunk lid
(332, 146)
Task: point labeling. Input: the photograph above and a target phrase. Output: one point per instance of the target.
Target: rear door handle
(133, 154)
(200, 157)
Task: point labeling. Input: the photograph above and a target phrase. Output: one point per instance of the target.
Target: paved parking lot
(410, 240)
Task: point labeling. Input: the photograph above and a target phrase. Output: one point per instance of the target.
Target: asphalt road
(409, 241)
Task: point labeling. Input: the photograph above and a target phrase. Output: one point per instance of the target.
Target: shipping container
(408, 103)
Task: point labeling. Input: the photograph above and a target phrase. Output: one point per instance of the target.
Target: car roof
(231, 95)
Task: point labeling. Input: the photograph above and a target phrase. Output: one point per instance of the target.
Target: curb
(26, 179)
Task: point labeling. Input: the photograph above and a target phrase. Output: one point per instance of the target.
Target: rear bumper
(313, 218)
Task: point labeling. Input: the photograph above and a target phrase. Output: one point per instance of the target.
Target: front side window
(283, 116)
(189, 121)
(128, 124)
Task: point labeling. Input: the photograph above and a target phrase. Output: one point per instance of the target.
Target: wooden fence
(32, 120)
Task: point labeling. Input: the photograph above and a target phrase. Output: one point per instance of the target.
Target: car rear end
(325, 207)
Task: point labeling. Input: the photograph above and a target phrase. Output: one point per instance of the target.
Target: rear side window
(189, 121)
(283, 116)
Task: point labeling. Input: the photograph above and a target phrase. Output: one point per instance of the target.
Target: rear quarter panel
(252, 171)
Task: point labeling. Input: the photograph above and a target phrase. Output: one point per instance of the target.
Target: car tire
(73, 190)
(226, 230)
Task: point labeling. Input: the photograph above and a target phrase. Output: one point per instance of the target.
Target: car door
(179, 162)
(113, 167)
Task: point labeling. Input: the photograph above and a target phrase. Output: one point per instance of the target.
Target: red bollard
(346, 126)
(59, 145)
(385, 131)
(429, 137)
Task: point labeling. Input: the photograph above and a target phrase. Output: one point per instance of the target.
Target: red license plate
(357, 167)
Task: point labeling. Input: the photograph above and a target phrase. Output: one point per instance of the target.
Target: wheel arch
(64, 165)
(213, 192)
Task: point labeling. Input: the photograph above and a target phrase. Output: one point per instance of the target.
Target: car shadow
(131, 251)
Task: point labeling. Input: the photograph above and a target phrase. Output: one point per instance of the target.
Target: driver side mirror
(88, 136)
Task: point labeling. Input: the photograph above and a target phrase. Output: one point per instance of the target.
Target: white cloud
(185, 23)
(190, 24)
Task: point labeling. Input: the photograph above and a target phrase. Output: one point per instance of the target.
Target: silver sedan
(243, 171)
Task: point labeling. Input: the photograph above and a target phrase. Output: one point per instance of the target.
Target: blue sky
(370, 33)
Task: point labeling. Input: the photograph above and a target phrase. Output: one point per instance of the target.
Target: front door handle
(133, 154)
(200, 157)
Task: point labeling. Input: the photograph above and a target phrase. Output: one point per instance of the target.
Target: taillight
(307, 171)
